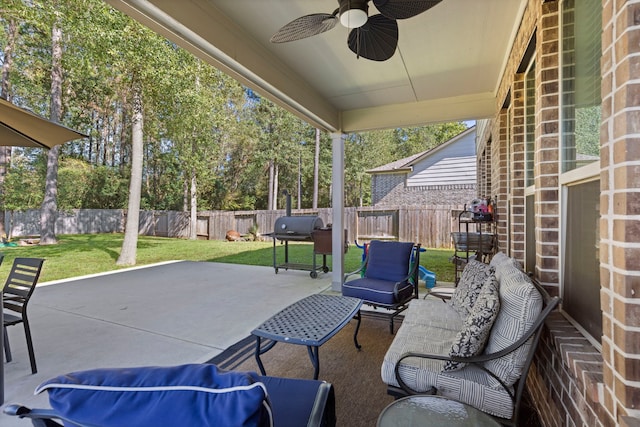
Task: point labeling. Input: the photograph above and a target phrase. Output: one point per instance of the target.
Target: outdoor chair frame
(17, 292)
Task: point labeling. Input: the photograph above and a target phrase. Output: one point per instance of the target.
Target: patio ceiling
(447, 66)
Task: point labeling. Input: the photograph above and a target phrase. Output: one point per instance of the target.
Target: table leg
(355, 334)
(314, 355)
(260, 351)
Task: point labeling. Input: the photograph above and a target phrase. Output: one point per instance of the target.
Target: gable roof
(406, 164)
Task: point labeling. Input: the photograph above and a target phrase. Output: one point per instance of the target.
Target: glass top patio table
(311, 322)
(430, 410)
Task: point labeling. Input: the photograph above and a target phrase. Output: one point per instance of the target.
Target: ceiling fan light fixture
(353, 13)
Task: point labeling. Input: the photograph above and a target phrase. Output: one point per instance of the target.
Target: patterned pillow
(475, 331)
(473, 277)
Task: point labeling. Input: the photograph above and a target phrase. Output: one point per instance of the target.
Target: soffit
(447, 66)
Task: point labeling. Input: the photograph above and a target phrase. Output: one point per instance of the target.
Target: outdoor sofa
(475, 348)
(185, 395)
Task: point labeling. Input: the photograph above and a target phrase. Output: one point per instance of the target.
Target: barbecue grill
(296, 229)
(301, 228)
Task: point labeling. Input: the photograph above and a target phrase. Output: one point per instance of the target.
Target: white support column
(337, 202)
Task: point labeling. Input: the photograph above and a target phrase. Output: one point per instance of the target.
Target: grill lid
(297, 226)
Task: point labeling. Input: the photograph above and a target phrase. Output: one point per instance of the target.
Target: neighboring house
(443, 175)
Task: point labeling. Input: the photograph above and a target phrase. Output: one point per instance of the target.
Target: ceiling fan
(372, 37)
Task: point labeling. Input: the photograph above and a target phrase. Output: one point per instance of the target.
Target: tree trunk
(193, 233)
(316, 168)
(50, 202)
(130, 243)
(185, 195)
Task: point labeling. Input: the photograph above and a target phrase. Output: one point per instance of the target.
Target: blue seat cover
(377, 291)
(388, 260)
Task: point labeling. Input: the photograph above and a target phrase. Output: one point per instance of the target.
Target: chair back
(21, 282)
(388, 260)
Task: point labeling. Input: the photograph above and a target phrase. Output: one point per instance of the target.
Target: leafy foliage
(201, 127)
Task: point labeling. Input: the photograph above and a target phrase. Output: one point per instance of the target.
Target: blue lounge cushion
(185, 395)
(388, 260)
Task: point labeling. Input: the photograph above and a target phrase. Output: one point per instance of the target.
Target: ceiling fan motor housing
(350, 12)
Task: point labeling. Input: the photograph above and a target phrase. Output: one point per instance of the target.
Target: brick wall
(389, 189)
(619, 207)
(547, 145)
(573, 382)
(565, 379)
(517, 160)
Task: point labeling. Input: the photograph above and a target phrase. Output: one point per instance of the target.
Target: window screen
(581, 285)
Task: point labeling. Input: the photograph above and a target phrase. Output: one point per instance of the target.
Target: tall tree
(130, 242)
(49, 207)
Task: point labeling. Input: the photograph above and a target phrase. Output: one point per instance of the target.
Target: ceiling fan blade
(305, 26)
(377, 39)
(403, 9)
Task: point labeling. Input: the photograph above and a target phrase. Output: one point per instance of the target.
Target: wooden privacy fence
(429, 225)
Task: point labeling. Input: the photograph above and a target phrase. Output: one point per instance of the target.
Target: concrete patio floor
(165, 314)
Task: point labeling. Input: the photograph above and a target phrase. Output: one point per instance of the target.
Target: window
(581, 98)
(580, 130)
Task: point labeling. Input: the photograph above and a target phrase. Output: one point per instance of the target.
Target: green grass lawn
(78, 255)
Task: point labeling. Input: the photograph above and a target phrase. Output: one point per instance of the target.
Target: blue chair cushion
(377, 291)
(388, 260)
(186, 395)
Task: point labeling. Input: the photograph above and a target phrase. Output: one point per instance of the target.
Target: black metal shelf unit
(475, 238)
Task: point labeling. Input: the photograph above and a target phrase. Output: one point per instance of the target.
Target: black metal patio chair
(17, 291)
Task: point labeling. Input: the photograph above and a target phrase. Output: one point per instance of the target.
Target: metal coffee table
(311, 322)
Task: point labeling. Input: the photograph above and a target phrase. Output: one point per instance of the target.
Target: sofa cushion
(471, 280)
(433, 312)
(521, 303)
(470, 385)
(501, 262)
(160, 396)
(473, 335)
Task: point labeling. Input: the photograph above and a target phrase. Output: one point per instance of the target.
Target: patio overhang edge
(222, 43)
(459, 108)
